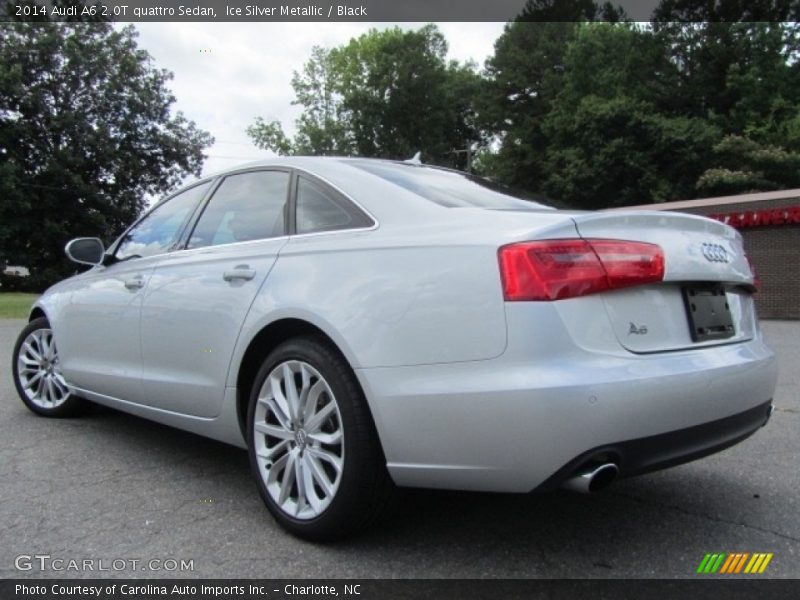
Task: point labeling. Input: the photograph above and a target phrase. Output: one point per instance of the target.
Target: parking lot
(112, 486)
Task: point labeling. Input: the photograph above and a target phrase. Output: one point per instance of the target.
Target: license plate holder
(708, 312)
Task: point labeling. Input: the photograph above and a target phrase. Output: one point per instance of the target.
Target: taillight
(556, 269)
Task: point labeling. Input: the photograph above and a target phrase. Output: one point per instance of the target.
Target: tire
(37, 374)
(333, 425)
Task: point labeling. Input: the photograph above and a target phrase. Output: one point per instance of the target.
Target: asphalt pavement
(111, 487)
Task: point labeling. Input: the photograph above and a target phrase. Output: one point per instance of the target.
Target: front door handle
(242, 272)
(135, 283)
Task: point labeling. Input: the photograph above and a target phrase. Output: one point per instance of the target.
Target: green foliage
(618, 151)
(270, 135)
(596, 114)
(613, 114)
(610, 138)
(86, 133)
(384, 94)
(746, 165)
(523, 78)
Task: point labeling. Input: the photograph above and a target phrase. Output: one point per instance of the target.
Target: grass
(14, 305)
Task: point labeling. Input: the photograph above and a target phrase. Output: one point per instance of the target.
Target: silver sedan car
(363, 324)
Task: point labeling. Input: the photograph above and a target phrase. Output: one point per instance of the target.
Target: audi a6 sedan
(362, 324)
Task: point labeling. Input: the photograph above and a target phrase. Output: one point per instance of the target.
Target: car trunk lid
(705, 296)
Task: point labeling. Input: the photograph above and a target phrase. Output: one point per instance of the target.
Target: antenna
(414, 160)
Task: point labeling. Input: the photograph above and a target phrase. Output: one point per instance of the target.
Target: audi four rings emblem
(715, 253)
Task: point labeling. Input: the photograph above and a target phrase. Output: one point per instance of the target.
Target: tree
(611, 139)
(601, 114)
(385, 94)
(744, 165)
(619, 151)
(523, 78)
(86, 134)
(739, 71)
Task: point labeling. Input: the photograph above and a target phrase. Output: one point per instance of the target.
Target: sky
(227, 74)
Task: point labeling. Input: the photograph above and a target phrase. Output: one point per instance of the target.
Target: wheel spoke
(29, 350)
(288, 479)
(292, 397)
(305, 388)
(328, 457)
(278, 432)
(320, 475)
(39, 394)
(280, 399)
(319, 418)
(44, 346)
(301, 486)
(326, 438)
(308, 482)
(29, 361)
(61, 385)
(270, 453)
(45, 393)
(310, 405)
(33, 380)
(51, 389)
(275, 469)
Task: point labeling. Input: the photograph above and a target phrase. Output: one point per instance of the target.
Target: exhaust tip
(603, 477)
(594, 480)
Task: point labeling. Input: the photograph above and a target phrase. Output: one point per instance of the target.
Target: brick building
(770, 225)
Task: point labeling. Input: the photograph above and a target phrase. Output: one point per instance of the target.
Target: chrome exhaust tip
(592, 481)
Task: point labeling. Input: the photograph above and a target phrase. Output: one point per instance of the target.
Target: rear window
(453, 189)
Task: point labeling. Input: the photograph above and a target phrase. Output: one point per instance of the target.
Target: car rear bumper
(643, 455)
(516, 424)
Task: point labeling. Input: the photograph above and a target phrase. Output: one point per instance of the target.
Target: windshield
(453, 189)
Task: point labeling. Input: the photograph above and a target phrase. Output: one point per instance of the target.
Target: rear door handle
(242, 272)
(135, 283)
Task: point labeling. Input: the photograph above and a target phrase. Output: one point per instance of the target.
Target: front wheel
(312, 443)
(37, 373)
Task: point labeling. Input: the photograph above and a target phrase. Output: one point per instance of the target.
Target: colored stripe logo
(735, 563)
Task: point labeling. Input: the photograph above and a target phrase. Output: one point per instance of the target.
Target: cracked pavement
(109, 486)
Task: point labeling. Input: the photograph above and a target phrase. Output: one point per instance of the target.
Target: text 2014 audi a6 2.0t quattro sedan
(359, 324)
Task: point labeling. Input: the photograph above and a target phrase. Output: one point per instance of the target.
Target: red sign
(758, 218)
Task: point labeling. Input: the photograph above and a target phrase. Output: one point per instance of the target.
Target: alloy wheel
(298, 439)
(40, 371)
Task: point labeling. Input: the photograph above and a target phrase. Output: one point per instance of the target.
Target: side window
(318, 210)
(248, 206)
(160, 228)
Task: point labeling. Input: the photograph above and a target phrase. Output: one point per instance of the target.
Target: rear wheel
(312, 443)
(37, 373)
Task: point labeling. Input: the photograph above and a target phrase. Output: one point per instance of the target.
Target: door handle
(134, 283)
(242, 272)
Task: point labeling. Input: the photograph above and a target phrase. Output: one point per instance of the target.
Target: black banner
(280, 589)
(368, 10)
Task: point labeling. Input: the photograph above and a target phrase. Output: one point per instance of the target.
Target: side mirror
(86, 251)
